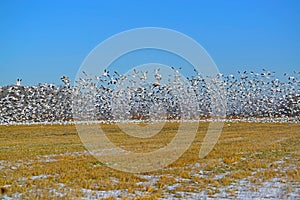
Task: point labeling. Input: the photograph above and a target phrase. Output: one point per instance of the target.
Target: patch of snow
(39, 176)
(57, 193)
(173, 187)
(151, 179)
(61, 185)
(97, 194)
(16, 196)
(187, 195)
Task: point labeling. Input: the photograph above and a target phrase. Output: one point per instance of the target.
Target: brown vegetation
(51, 162)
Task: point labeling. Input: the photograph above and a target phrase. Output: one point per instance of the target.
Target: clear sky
(42, 40)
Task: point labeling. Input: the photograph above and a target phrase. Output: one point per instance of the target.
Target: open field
(250, 160)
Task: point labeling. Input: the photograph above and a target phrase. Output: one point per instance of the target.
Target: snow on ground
(271, 189)
(274, 188)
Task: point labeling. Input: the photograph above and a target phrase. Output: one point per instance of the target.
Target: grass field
(250, 160)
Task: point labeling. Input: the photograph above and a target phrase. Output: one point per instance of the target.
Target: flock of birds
(153, 95)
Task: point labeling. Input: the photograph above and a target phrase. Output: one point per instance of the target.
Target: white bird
(66, 80)
(18, 83)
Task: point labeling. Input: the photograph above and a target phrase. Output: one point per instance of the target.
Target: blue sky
(42, 40)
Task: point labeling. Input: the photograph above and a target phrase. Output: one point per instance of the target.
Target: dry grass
(50, 162)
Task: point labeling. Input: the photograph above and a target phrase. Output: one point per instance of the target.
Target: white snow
(39, 176)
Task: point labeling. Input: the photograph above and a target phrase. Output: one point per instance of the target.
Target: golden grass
(41, 162)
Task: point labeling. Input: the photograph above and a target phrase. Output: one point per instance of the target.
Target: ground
(250, 161)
